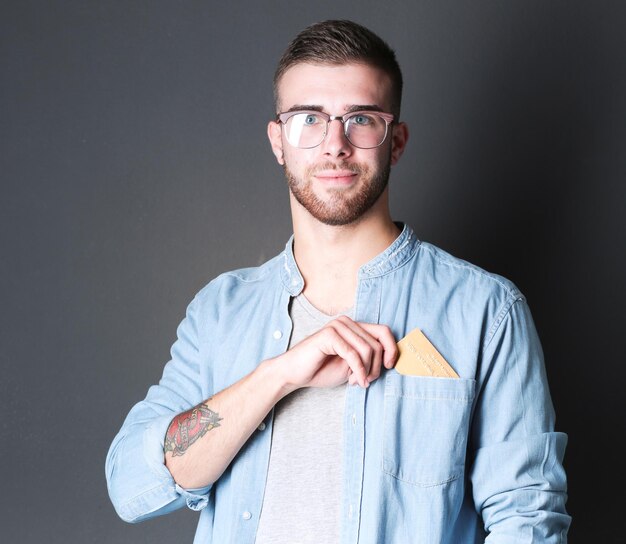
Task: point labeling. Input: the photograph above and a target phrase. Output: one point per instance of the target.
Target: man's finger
(383, 334)
(334, 343)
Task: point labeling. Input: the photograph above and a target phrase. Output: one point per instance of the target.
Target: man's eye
(362, 120)
(311, 119)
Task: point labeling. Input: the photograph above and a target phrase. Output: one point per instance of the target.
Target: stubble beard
(339, 208)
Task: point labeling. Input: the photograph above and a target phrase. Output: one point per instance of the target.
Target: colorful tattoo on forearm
(187, 427)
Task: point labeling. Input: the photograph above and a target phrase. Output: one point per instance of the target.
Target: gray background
(135, 168)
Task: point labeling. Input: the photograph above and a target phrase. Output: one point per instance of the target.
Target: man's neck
(329, 257)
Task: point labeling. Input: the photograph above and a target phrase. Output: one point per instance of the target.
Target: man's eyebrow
(364, 107)
(304, 107)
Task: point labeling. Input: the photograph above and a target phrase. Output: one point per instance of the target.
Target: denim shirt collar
(400, 251)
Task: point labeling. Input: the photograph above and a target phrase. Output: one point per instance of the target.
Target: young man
(281, 416)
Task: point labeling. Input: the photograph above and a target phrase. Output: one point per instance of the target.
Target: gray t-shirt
(303, 492)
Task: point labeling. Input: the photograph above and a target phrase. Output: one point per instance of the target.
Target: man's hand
(344, 350)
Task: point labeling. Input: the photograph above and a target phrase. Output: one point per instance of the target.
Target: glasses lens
(365, 130)
(305, 130)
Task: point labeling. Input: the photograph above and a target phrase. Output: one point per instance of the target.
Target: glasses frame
(283, 117)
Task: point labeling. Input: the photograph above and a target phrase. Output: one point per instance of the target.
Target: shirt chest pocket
(426, 424)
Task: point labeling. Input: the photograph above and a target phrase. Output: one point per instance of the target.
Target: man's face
(336, 182)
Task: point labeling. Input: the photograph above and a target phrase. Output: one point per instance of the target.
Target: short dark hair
(341, 42)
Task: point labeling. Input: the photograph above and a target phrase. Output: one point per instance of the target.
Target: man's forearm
(201, 442)
(188, 427)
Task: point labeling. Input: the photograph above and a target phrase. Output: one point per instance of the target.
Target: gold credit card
(418, 357)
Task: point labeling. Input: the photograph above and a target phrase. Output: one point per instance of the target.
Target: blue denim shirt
(432, 460)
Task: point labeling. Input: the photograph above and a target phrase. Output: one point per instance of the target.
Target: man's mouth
(335, 175)
(332, 175)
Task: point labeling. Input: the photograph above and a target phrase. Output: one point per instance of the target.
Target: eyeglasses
(363, 129)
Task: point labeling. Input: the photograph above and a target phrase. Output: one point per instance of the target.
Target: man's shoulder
(447, 267)
(253, 274)
(249, 277)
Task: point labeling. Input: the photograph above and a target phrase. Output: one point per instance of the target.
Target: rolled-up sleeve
(140, 485)
(518, 481)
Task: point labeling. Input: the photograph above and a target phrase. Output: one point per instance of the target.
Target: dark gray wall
(135, 168)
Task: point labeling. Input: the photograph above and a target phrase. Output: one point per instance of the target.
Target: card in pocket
(418, 357)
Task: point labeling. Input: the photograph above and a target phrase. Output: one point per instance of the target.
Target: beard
(339, 208)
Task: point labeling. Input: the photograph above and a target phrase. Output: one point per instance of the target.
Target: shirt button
(278, 334)
(353, 419)
(246, 515)
(261, 427)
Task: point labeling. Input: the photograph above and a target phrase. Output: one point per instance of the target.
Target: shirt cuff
(196, 499)
(153, 440)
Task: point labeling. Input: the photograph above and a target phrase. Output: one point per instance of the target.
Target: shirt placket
(255, 464)
(367, 309)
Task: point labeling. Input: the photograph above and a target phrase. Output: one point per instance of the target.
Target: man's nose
(336, 144)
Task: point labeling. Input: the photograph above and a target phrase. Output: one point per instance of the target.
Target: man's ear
(399, 138)
(276, 141)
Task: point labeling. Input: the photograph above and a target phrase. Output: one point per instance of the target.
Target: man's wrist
(274, 378)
